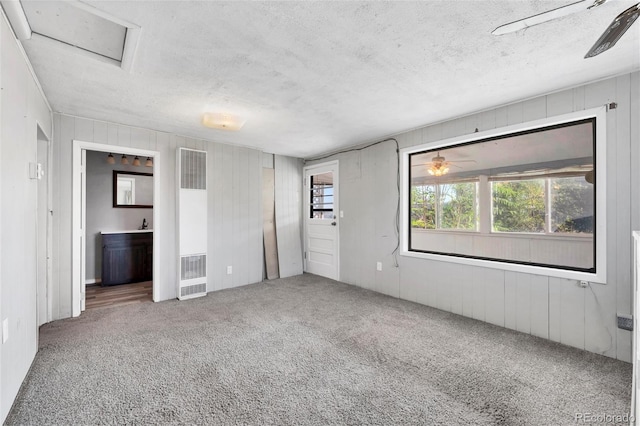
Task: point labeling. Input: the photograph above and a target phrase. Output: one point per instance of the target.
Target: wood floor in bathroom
(117, 295)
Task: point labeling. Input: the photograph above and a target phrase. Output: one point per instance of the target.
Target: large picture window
(524, 197)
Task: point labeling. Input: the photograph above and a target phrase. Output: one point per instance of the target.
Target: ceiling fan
(607, 40)
(439, 166)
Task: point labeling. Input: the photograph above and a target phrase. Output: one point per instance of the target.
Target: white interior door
(322, 227)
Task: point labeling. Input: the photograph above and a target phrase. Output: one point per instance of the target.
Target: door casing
(78, 256)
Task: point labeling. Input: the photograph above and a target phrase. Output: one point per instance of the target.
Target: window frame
(312, 209)
(599, 235)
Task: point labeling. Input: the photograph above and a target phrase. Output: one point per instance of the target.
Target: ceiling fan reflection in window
(607, 40)
(440, 166)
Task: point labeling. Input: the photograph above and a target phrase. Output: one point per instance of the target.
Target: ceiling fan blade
(543, 17)
(430, 163)
(616, 29)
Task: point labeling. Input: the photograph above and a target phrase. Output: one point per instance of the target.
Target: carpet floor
(307, 351)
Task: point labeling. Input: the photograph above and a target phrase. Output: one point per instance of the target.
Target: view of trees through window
(518, 206)
(444, 206)
(572, 205)
(523, 206)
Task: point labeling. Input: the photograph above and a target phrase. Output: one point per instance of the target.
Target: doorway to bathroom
(119, 229)
(114, 221)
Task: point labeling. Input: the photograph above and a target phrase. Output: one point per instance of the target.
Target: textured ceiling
(312, 77)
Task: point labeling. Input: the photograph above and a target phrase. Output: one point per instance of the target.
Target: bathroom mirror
(132, 189)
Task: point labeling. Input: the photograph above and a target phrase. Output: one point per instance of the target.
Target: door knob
(333, 224)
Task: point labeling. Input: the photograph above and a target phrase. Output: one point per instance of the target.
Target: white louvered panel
(194, 290)
(193, 173)
(193, 267)
(192, 223)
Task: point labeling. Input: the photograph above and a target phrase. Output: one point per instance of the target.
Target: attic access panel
(82, 26)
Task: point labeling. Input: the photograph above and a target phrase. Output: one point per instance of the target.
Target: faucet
(144, 223)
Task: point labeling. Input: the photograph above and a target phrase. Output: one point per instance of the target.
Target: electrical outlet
(5, 330)
(584, 284)
(341, 213)
(229, 270)
(379, 266)
(625, 322)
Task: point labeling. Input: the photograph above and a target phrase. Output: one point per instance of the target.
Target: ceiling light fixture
(438, 170)
(136, 161)
(111, 159)
(124, 160)
(438, 166)
(149, 162)
(222, 121)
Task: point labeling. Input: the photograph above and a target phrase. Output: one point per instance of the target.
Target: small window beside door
(321, 196)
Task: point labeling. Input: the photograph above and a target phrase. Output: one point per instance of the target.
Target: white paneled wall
(548, 307)
(234, 203)
(235, 216)
(22, 109)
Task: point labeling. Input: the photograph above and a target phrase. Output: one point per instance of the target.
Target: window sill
(520, 235)
(512, 267)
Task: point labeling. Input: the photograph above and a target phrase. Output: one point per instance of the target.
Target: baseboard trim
(93, 281)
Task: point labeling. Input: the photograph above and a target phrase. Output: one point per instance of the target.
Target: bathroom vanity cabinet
(127, 257)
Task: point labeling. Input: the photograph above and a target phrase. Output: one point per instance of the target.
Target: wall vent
(193, 267)
(192, 223)
(193, 290)
(193, 174)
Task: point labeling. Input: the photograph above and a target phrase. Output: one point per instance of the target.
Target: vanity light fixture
(111, 159)
(136, 161)
(124, 160)
(149, 162)
(222, 121)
